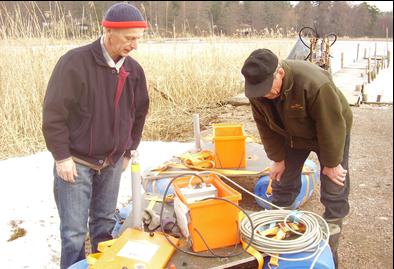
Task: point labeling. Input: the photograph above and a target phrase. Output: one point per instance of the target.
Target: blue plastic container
(123, 213)
(158, 185)
(309, 182)
(83, 264)
(324, 261)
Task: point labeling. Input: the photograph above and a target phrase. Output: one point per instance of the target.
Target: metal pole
(387, 47)
(134, 219)
(387, 41)
(376, 55)
(136, 184)
(197, 134)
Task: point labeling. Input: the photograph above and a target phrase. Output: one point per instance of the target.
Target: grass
(16, 230)
(183, 78)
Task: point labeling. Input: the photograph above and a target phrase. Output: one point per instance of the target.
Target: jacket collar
(100, 59)
(110, 61)
(288, 80)
(98, 53)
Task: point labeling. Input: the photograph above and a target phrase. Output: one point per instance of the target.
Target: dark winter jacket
(87, 114)
(314, 114)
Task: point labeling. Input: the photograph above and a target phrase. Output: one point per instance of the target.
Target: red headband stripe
(124, 24)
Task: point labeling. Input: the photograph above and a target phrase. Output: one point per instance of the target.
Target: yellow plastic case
(137, 249)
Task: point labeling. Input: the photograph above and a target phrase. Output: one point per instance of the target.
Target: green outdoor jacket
(314, 112)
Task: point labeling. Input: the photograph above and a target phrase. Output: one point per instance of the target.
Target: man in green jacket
(298, 109)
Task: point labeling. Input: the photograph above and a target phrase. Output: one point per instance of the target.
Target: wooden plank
(183, 260)
(350, 80)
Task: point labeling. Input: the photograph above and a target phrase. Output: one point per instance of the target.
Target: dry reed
(184, 78)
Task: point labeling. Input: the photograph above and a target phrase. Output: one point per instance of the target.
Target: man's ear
(281, 72)
(108, 31)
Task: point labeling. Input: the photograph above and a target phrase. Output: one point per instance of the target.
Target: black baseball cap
(258, 70)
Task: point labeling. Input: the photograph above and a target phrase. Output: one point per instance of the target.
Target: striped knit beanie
(123, 15)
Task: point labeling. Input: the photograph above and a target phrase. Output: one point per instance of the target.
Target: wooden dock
(356, 80)
(350, 80)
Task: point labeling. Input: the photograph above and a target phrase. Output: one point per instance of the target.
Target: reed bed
(189, 77)
(183, 78)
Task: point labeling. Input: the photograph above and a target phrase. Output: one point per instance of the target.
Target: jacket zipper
(119, 89)
(91, 140)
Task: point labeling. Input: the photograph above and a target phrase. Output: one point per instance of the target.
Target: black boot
(335, 226)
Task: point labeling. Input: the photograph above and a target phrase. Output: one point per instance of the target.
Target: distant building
(244, 29)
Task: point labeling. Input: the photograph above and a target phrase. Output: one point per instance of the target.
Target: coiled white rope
(316, 230)
(309, 241)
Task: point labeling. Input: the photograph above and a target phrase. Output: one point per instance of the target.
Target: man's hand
(337, 174)
(67, 170)
(125, 163)
(277, 169)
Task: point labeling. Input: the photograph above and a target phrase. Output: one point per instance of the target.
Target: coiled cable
(309, 241)
(316, 230)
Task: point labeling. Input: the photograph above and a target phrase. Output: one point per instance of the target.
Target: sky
(382, 5)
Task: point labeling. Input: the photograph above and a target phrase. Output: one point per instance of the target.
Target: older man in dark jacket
(298, 109)
(94, 113)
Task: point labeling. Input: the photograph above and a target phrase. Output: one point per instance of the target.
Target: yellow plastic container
(134, 248)
(229, 145)
(215, 220)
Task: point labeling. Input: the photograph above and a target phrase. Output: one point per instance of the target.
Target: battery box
(198, 193)
(209, 223)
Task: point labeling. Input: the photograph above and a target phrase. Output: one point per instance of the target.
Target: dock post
(376, 58)
(369, 70)
(342, 56)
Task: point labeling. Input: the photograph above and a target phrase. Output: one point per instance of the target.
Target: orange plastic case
(229, 145)
(215, 220)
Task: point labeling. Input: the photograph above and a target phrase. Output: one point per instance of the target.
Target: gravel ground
(367, 237)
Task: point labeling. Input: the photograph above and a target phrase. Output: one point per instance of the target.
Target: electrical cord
(239, 186)
(214, 255)
(309, 241)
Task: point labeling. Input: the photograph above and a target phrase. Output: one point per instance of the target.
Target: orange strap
(251, 250)
(199, 160)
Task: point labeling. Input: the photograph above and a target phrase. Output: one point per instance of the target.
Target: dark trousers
(333, 197)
